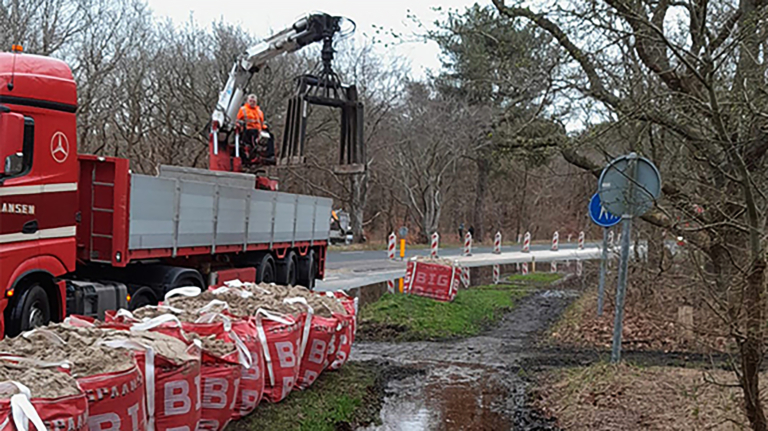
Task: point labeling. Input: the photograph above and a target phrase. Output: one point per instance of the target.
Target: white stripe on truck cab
(56, 232)
(38, 189)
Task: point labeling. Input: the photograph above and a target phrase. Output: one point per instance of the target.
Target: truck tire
(287, 270)
(265, 271)
(142, 297)
(30, 311)
(307, 270)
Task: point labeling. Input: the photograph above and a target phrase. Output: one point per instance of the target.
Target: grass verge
(339, 400)
(610, 397)
(536, 278)
(411, 318)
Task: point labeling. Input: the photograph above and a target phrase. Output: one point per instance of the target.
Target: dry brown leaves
(607, 397)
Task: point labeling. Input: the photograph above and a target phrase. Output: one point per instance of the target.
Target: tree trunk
(481, 189)
(751, 346)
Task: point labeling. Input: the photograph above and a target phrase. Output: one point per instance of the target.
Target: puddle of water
(449, 398)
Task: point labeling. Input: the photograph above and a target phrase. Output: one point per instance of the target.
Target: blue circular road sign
(599, 214)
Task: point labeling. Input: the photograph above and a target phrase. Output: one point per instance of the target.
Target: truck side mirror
(11, 143)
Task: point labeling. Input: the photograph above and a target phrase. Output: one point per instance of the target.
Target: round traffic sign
(599, 215)
(629, 185)
(403, 231)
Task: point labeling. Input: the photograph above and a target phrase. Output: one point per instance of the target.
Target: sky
(265, 17)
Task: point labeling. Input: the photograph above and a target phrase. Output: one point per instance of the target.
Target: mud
(477, 383)
(42, 383)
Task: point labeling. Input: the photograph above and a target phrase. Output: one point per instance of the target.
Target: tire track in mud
(476, 383)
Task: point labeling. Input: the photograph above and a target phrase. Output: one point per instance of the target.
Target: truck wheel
(286, 270)
(265, 272)
(307, 268)
(141, 298)
(31, 310)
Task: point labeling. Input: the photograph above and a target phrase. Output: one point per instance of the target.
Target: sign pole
(621, 289)
(603, 265)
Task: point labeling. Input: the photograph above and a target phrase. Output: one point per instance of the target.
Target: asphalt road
(377, 259)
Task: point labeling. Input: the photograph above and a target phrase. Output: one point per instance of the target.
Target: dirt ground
(514, 376)
(477, 383)
(626, 397)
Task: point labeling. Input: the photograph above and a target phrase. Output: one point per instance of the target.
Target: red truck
(83, 234)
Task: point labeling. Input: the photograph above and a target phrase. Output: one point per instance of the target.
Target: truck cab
(38, 187)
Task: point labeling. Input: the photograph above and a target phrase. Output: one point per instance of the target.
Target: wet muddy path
(477, 383)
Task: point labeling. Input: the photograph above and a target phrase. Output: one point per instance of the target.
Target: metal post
(603, 264)
(621, 290)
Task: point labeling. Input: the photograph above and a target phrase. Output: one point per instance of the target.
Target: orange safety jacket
(254, 118)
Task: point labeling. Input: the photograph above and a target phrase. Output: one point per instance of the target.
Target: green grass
(536, 278)
(337, 400)
(410, 317)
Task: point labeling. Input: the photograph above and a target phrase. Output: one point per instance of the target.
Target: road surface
(347, 270)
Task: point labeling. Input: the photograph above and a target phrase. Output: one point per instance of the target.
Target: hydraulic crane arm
(312, 28)
(324, 88)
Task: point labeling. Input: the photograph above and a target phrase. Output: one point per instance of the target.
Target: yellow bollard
(400, 282)
(402, 249)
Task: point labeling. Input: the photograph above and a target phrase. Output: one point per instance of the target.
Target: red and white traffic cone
(497, 243)
(391, 286)
(553, 266)
(527, 242)
(496, 273)
(468, 244)
(391, 246)
(435, 241)
(581, 240)
(525, 268)
(555, 241)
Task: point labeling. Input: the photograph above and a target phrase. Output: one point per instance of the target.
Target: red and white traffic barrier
(435, 241)
(391, 246)
(527, 242)
(525, 268)
(555, 241)
(497, 243)
(468, 244)
(553, 266)
(496, 273)
(391, 286)
(465, 276)
(581, 240)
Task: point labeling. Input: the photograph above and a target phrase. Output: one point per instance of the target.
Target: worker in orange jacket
(250, 119)
(250, 114)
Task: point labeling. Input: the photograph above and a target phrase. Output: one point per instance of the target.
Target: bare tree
(701, 85)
